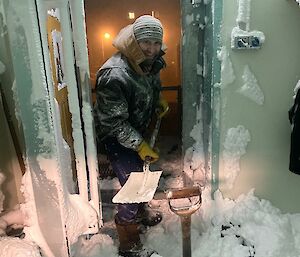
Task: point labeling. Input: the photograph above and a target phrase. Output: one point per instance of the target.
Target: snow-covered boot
(130, 243)
(148, 216)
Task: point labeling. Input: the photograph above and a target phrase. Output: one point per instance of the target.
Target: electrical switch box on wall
(246, 42)
(242, 37)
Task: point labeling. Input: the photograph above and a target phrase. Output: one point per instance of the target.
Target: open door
(101, 30)
(55, 39)
(47, 93)
(57, 66)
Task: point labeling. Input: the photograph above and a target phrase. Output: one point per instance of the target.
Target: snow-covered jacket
(294, 117)
(126, 97)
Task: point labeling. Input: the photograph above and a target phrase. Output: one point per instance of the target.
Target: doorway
(104, 19)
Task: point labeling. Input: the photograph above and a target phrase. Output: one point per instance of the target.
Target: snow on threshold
(246, 227)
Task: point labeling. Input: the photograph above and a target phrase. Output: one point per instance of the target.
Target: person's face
(150, 48)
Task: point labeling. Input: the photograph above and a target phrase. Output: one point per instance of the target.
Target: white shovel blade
(137, 189)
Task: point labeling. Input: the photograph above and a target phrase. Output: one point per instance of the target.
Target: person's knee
(127, 212)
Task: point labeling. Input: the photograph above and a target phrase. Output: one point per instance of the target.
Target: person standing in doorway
(127, 98)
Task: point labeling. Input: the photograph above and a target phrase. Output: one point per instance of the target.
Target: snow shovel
(140, 186)
(185, 213)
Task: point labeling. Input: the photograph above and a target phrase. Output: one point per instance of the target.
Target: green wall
(277, 68)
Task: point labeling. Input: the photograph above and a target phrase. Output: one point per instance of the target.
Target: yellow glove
(145, 150)
(163, 108)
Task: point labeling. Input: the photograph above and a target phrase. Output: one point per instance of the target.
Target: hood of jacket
(127, 44)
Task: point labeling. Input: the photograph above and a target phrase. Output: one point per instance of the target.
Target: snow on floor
(246, 227)
(221, 228)
(16, 247)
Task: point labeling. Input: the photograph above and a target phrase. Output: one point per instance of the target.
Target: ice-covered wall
(259, 99)
(196, 76)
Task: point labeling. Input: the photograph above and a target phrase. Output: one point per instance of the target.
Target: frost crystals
(235, 145)
(251, 88)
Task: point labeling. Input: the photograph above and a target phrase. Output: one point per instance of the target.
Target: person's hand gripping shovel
(141, 186)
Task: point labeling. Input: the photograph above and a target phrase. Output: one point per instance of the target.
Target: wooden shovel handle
(183, 192)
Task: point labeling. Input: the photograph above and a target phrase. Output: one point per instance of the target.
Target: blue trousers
(123, 161)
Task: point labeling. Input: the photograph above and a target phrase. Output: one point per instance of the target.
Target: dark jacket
(126, 97)
(294, 117)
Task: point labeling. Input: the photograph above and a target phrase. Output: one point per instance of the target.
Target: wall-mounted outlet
(241, 42)
(254, 42)
(247, 42)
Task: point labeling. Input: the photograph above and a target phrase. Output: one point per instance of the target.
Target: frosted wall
(261, 160)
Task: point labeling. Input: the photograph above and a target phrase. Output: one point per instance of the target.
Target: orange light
(155, 14)
(106, 35)
(131, 15)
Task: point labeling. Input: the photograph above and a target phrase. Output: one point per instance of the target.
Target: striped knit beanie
(147, 27)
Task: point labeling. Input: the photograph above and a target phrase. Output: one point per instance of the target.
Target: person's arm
(111, 116)
(111, 113)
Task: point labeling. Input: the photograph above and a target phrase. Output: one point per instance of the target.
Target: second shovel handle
(183, 192)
